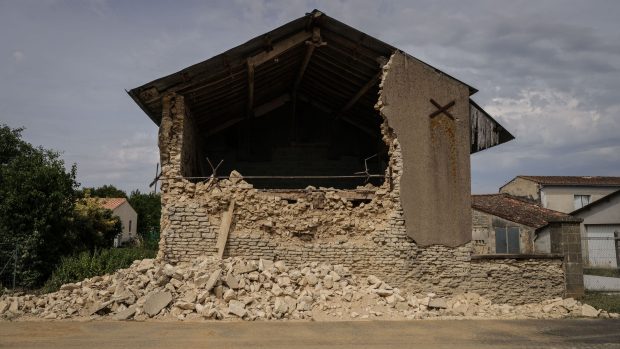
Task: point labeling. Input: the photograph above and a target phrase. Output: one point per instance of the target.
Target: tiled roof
(111, 203)
(574, 180)
(518, 210)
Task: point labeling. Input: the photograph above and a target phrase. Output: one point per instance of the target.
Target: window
(581, 201)
(507, 240)
(130, 225)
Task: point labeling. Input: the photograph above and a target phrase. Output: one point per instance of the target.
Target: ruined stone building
(317, 142)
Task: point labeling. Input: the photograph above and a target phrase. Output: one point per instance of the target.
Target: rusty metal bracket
(213, 178)
(366, 171)
(441, 109)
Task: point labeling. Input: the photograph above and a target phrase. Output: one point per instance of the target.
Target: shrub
(85, 265)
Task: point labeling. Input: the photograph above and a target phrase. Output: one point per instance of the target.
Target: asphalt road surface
(453, 334)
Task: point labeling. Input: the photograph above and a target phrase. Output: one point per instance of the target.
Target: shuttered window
(507, 240)
(581, 201)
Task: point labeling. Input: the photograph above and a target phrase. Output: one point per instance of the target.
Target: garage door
(602, 247)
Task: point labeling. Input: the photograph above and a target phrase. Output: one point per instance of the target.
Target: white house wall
(562, 198)
(127, 214)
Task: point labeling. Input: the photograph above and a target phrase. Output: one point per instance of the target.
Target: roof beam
(372, 82)
(311, 45)
(272, 105)
(328, 110)
(279, 48)
(250, 88)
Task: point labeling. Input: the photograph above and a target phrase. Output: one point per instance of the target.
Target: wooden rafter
(276, 50)
(250, 88)
(311, 46)
(372, 82)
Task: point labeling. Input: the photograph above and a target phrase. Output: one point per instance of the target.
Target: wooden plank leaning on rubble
(222, 237)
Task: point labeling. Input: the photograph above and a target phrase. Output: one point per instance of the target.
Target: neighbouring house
(317, 142)
(562, 193)
(505, 224)
(600, 231)
(129, 218)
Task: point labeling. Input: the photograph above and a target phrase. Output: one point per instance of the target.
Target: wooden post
(222, 237)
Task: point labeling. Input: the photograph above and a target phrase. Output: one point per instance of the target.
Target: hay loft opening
(290, 109)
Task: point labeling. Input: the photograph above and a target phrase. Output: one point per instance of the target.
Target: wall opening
(301, 145)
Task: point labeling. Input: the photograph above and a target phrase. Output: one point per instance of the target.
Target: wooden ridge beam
(279, 48)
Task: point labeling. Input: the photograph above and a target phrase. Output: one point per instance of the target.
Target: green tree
(40, 213)
(148, 208)
(37, 198)
(105, 191)
(94, 226)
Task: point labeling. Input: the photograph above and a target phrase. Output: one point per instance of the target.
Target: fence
(601, 251)
(8, 265)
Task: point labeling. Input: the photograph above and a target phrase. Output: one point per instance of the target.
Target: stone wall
(321, 225)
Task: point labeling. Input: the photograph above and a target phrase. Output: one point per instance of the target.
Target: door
(602, 247)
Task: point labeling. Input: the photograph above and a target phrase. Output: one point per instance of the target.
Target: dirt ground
(344, 334)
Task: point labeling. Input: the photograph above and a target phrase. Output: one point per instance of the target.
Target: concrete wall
(562, 198)
(436, 194)
(522, 187)
(369, 238)
(129, 218)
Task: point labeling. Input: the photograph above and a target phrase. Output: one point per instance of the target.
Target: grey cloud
(64, 67)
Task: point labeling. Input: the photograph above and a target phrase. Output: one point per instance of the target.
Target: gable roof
(518, 210)
(574, 180)
(111, 203)
(346, 63)
(600, 201)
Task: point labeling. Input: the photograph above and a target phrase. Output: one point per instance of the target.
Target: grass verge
(86, 265)
(601, 300)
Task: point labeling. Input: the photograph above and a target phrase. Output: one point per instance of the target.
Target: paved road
(453, 334)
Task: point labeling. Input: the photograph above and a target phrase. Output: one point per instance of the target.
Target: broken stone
(99, 306)
(264, 264)
(237, 308)
(373, 280)
(231, 281)
(311, 279)
(280, 306)
(437, 303)
(229, 295)
(4, 306)
(156, 301)
(125, 314)
(589, 311)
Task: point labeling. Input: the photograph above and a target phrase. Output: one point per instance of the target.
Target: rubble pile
(235, 288)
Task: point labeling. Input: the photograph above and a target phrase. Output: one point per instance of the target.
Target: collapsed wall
(324, 224)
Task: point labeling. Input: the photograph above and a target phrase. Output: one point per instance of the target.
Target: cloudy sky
(549, 71)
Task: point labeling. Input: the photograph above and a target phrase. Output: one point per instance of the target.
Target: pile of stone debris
(236, 288)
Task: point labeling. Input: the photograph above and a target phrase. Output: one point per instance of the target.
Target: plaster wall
(561, 198)
(435, 192)
(522, 187)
